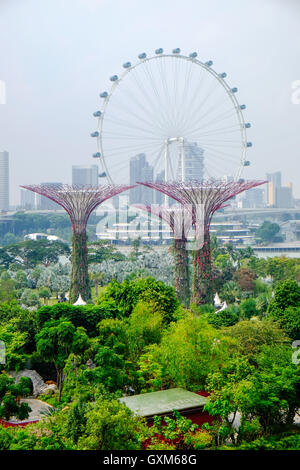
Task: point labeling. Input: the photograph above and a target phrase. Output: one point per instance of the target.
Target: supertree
(78, 202)
(180, 223)
(202, 199)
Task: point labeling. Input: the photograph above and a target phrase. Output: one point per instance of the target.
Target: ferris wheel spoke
(189, 97)
(187, 80)
(166, 91)
(218, 154)
(152, 81)
(145, 117)
(198, 117)
(212, 90)
(130, 150)
(220, 142)
(197, 100)
(135, 127)
(128, 110)
(225, 116)
(214, 165)
(222, 130)
(113, 135)
(154, 106)
(164, 102)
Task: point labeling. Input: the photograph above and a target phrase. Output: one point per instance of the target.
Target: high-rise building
(278, 195)
(284, 197)
(254, 198)
(140, 170)
(193, 163)
(85, 175)
(28, 200)
(4, 181)
(274, 183)
(45, 203)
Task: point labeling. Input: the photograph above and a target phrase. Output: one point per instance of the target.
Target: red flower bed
(7, 424)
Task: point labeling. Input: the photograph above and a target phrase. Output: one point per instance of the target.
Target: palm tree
(97, 278)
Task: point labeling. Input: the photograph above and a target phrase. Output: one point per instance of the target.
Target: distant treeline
(22, 223)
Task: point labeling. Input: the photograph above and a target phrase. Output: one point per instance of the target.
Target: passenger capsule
(247, 125)
(247, 163)
(234, 90)
(114, 78)
(159, 51)
(95, 134)
(242, 106)
(143, 55)
(209, 63)
(97, 155)
(97, 114)
(241, 180)
(102, 175)
(104, 94)
(193, 55)
(176, 51)
(249, 144)
(223, 75)
(127, 65)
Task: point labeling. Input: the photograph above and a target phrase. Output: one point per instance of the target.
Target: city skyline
(43, 136)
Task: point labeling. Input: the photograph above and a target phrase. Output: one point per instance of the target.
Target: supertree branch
(180, 222)
(202, 199)
(79, 202)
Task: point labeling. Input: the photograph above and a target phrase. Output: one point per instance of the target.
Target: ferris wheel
(177, 114)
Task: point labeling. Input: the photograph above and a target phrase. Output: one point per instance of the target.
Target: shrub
(127, 294)
(227, 317)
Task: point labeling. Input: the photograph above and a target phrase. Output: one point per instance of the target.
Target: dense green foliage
(268, 231)
(127, 294)
(33, 252)
(285, 307)
(87, 316)
(138, 338)
(9, 393)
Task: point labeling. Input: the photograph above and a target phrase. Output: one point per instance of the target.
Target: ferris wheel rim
(158, 56)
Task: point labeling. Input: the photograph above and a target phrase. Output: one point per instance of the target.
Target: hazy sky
(57, 55)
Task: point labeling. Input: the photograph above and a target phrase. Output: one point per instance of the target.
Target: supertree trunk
(180, 224)
(202, 289)
(202, 199)
(79, 275)
(79, 202)
(181, 271)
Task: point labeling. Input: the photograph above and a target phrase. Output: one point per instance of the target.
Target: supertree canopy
(202, 199)
(180, 222)
(78, 202)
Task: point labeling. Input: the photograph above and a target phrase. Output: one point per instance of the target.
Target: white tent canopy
(80, 301)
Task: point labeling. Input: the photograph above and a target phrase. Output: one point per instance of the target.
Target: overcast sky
(57, 55)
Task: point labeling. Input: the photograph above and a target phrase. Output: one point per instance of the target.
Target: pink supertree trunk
(79, 202)
(210, 196)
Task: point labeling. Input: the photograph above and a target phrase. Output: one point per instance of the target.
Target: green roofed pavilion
(164, 402)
